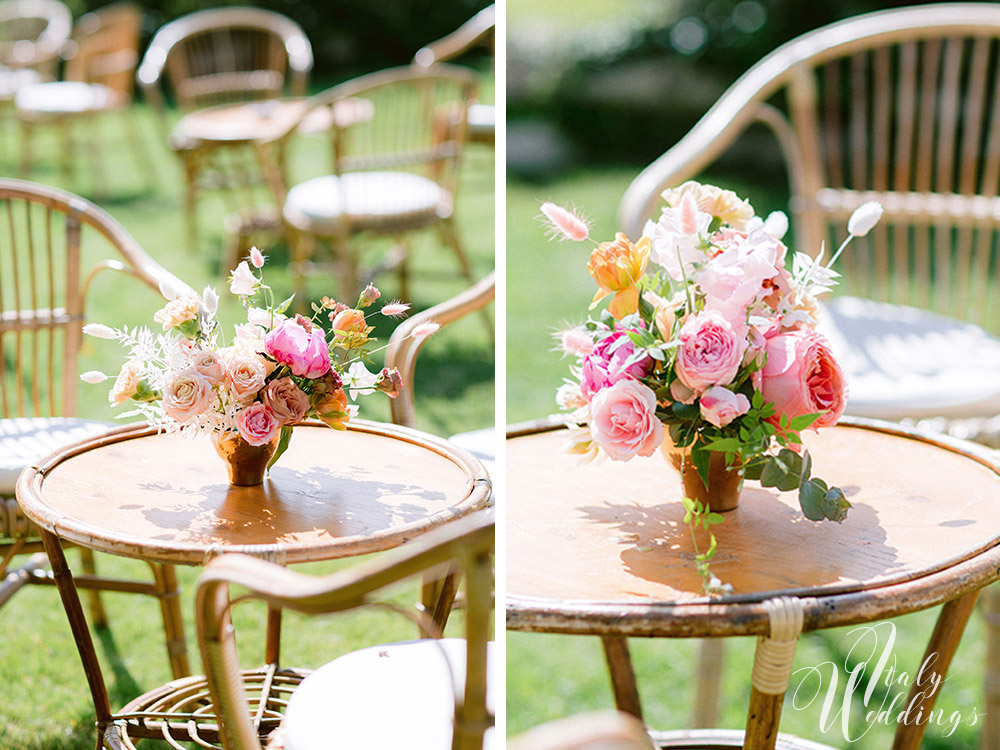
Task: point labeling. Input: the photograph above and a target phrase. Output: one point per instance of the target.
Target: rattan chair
(392, 173)
(903, 107)
(32, 34)
(478, 31)
(899, 106)
(222, 56)
(432, 692)
(43, 295)
(99, 78)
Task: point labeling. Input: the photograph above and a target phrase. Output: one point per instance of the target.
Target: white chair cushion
(482, 121)
(905, 362)
(394, 696)
(12, 80)
(24, 440)
(63, 97)
(366, 200)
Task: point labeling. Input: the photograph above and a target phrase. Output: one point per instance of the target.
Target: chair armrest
(402, 349)
(465, 37)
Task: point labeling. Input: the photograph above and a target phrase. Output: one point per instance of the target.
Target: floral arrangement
(275, 371)
(709, 337)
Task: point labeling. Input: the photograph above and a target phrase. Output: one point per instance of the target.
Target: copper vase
(247, 463)
(724, 482)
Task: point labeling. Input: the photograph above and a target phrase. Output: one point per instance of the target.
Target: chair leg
(27, 133)
(191, 161)
(706, 703)
(622, 675)
(98, 617)
(450, 237)
(69, 147)
(348, 262)
(991, 613)
(168, 592)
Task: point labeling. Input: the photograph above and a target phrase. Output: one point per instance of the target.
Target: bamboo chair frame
(44, 24)
(41, 320)
(418, 126)
(892, 106)
(104, 50)
(222, 56)
(467, 542)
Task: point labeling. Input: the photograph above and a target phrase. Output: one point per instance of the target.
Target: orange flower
(332, 409)
(617, 267)
(350, 328)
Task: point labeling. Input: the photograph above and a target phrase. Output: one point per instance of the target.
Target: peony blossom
(257, 424)
(864, 218)
(300, 346)
(187, 395)
(710, 352)
(740, 275)
(802, 377)
(616, 267)
(287, 401)
(720, 406)
(243, 282)
(624, 422)
(564, 223)
(676, 238)
(609, 362)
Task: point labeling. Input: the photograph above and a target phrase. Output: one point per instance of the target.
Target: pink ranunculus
(710, 351)
(623, 420)
(187, 395)
(288, 402)
(720, 406)
(802, 377)
(257, 424)
(297, 343)
(607, 363)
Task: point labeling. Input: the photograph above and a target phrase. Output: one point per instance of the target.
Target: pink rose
(720, 406)
(301, 346)
(257, 424)
(802, 377)
(245, 374)
(287, 401)
(710, 352)
(623, 420)
(187, 395)
(607, 364)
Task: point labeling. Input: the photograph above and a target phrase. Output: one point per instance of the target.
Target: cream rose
(187, 395)
(177, 312)
(126, 384)
(245, 375)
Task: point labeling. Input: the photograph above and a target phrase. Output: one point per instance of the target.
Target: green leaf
(782, 471)
(730, 445)
(835, 505)
(806, 469)
(802, 421)
(286, 437)
(752, 470)
(811, 496)
(714, 518)
(687, 412)
(711, 548)
(288, 303)
(757, 402)
(701, 457)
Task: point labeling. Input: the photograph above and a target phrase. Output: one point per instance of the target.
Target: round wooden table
(165, 498)
(601, 549)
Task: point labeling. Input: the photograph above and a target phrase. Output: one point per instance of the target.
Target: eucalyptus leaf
(835, 505)
(752, 470)
(811, 497)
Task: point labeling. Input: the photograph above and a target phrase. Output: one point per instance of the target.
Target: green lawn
(44, 702)
(552, 676)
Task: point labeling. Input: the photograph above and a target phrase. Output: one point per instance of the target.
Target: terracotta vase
(724, 483)
(247, 463)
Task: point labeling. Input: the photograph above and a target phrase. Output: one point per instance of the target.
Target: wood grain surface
(167, 497)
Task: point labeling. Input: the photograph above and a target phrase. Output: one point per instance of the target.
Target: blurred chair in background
(43, 297)
(32, 34)
(432, 693)
(391, 173)
(101, 59)
(213, 58)
(901, 107)
(477, 31)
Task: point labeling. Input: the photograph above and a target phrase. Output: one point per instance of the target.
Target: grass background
(44, 702)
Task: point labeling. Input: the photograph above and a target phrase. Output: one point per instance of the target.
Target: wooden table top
(166, 497)
(250, 121)
(592, 545)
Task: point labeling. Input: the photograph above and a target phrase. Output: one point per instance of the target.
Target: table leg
(81, 633)
(169, 593)
(763, 718)
(947, 634)
(622, 675)
(272, 649)
(991, 722)
(706, 702)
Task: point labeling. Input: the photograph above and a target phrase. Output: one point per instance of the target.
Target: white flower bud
(93, 376)
(210, 300)
(99, 330)
(864, 218)
(776, 224)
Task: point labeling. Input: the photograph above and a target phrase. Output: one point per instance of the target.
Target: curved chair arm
(465, 37)
(403, 349)
(595, 730)
(742, 102)
(470, 541)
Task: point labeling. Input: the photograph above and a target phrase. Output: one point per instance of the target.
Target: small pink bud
(395, 309)
(424, 330)
(565, 223)
(256, 258)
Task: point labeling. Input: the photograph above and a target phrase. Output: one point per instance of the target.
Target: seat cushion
(63, 97)
(25, 440)
(906, 362)
(482, 122)
(367, 200)
(12, 80)
(393, 696)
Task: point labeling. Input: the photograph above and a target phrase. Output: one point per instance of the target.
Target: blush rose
(803, 377)
(187, 395)
(623, 420)
(720, 406)
(257, 424)
(710, 351)
(287, 401)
